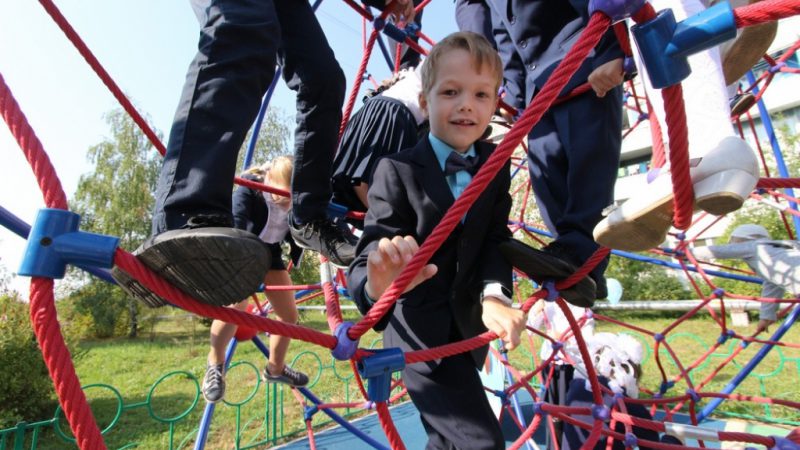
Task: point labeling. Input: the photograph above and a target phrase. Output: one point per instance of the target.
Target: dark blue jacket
(533, 36)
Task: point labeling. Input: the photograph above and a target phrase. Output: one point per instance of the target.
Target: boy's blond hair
(477, 46)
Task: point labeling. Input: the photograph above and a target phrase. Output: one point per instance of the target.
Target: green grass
(133, 366)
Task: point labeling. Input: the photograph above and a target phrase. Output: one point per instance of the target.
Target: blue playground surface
(406, 420)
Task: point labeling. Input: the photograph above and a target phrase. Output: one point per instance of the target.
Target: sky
(146, 47)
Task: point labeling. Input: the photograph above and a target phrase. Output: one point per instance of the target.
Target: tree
(116, 199)
(273, 139)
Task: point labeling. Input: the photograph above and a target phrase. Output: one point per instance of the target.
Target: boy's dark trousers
(240, 43)
(573, 153)
(454, 385)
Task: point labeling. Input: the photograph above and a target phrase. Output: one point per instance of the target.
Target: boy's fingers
(375, 258)
(388, 248)
(404, 250)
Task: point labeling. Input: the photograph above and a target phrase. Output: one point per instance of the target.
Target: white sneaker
(722, 180)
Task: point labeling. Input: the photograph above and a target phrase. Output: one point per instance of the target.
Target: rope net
(676, 366)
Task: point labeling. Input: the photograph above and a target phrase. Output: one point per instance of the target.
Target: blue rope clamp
(55, 241)
(378, 369)
(665, 44)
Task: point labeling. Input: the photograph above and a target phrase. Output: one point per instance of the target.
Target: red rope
(87, 54)
(765, 11)
(149, 279)
(388, 426)
(59, 364)
(559, 78)
(351, 101)
(31, 146)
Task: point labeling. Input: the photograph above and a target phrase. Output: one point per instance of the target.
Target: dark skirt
(382, 126)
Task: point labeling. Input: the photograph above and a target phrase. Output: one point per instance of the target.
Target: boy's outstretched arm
(386, 262)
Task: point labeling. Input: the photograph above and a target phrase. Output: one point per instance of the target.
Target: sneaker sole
(217, 266)
(540, 266)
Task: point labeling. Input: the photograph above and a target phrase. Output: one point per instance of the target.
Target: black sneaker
(541, 265)
(214, 264)
(289, 377)
(332, 240)
(214, 383)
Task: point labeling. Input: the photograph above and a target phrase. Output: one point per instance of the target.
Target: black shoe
(215, 265)
(601, 285)
(541, 266)
(289, 376)
(331, 239)
(740, 103)
(560, 251)
(214, 383)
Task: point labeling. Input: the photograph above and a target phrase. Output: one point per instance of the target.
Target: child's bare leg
(221, 335)
(283, 304)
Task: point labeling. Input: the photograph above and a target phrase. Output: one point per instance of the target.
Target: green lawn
(133, 366)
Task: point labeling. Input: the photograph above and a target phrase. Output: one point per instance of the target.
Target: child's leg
(221, 334)
(704, 91)
(453, 406)
(283, 304)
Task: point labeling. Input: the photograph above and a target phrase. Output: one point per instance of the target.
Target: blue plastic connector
(537, 409)
(693, 395)
(345, 347)
(378, 369)
(719, 292)
(552, 292)
(379, 23)
(393, 32)
(601, 413)
(681, 236)
(665, 386)
(557, 346)
(336, 210)
(631, 440)
(658, 337)
(412, 29)
(309, 411)
(616, 10)
(54, 242)
(665, 44)
(702, 31)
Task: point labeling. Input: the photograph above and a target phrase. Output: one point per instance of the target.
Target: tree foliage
(27, 392)
(273, 139)
(116, 198)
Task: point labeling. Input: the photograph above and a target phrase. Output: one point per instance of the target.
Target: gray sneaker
(289, 376)
(214, 383)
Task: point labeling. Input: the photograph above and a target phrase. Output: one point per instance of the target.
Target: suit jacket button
(513, 20)
(531, 67)
(523, 44)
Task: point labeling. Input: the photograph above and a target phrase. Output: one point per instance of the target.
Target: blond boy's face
(461, 101)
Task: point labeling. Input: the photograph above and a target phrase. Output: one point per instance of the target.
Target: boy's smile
(461, 101)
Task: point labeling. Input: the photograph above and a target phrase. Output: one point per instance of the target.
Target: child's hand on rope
(506, 322)
(390, 258)
(607, 77)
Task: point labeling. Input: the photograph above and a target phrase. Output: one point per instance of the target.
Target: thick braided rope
(775, 183)
(765, 11)
(388, 426)
(59, 364)
(678, 141)
(588, 40)
(42, 309)
(87, 54)
(31, 146)
(150, 280)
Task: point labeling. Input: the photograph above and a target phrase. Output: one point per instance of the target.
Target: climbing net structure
(55, 241)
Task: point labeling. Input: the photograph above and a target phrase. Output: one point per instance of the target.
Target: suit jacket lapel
(431, 176)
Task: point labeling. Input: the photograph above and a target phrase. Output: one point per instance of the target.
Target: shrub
(27, 392)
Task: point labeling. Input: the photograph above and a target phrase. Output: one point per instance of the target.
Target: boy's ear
(423, 104)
